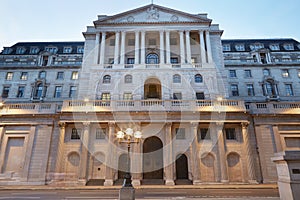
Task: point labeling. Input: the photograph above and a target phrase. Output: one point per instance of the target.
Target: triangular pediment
(152, 14)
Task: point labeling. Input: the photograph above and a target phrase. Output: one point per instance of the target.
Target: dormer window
(51, 49)
(240, 47)
(80, 49)
(226, 47)
(288, 47)
(274, 47)
(256, 46)
(7, 50)
(67, 49)
(20, 50)
(34, 50)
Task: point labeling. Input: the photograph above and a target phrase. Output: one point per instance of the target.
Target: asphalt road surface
(174, 194)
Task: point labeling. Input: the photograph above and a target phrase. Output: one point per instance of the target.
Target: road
(257, 194)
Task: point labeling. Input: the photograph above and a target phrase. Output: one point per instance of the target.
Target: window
(130, 61)
(38, 91)
(289, 90)
(180, 133)
(248, 73)
(21, 90)
(240, 47)
(226, 47)
(105, 96)
(42, 75)
(285, 73)
(128, 79)
(45, 60)
(234, 90)
(9, 76)
(250, 90)
(5, 92)
(274, 47)
(100, 133)
(200, 95)
(152, 58)
(24, 76)
(203, 134)
(177, 96)
(270, 89)
(131, 42)
(127, 96)
(80, 49)
(67, 49)
(74, 75)
(20, 50)
(51, 49)
(112, 42)
(198, 78)
(60, 76)
(58, 90)
(173, 41)
(73, 91)
(230, 133)
(152, 41)
(106, 79)
(174, 60)
(298, 73)
(266, 72)
(34, 50)
(176, 78)
(232, 73)
(75, 135)
(7, 50)
(256, 46)
(288, 47)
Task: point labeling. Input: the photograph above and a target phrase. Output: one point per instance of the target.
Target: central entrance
(153, 158)
(152, 89)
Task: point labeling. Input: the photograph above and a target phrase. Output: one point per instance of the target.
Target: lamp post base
(127, 193)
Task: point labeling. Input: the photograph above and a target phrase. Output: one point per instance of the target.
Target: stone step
(95, 182)
(153, 182)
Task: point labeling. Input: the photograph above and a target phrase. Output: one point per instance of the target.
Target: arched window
(176, 78)
(39, 91)
(128, 79)
(152, 58)
(198, 78)
(106, 79)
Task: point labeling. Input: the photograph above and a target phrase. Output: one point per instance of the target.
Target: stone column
(143, 46)
(208, 47)
(168, 155)
(102, 51)
(248, 153)
(122, 56)
(188, 47)
(221, 152)
(97, 41)
(136, 159)
(84, 152)
(195, 155)
(182, 51)
(168, 51)
(117, 45)
(110, 156)
(60, 150)
(137, 48)
(162, 50)
(202, 47)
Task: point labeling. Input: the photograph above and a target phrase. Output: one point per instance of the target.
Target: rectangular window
(75, 135)
(127, 96)
(226, 47)
(250, 90)
(200, 95)
(80, 49)
(34, 50)
(100, 133)
(130, 61)
(174, 60)
(58, 90)
(298, 73)
(21, 90)
(105, 96)
(24, 76)
(230, 133)
(177, 96)
(274, 47)
(5, 92)
(173, 41)
(60, 76)
(234, 90)
(203, 134)
(240, 47)
(289, 90)
(248, 73)
(112, 42)
(51, 49)
(73, 91)
(285, 73)
(74, 75)
(67, 49)
(131, 42)
(232, 73)
(9, 76)
(152, 41)
(180, 133)
(288, 47)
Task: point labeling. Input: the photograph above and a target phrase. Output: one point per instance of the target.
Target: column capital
(245, 124)
(219, 124)
(86, 124)
(194, 124)
(168, 124)
(62, 125)
(111, 124)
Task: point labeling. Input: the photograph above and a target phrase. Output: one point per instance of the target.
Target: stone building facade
(210, 110)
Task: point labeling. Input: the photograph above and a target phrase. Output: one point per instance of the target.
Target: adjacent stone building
(210, 110)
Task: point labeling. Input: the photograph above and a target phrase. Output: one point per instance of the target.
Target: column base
(253, 181)
(170, 182)
(82, 182)
(197, 182)
(136, 182)
(224, 181)
(108, 182)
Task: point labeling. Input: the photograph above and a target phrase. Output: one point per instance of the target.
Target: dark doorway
(182, 167)
(153, 158)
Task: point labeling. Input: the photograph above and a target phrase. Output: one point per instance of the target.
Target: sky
(65, 20)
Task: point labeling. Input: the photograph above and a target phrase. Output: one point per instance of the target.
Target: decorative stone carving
(174, 18)
(130, 19)
(153, 13)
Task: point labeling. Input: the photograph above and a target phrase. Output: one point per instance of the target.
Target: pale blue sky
(65, 20)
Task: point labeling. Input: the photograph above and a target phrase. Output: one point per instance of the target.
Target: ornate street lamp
(128, 137)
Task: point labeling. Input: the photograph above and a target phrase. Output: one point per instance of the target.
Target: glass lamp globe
(129, 132)
(138, 134)
(120, 135)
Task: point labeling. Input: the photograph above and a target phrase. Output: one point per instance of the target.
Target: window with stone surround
(21, 91)
(230, 134)
(203, 134)
(234, 90)
(101, 133)
(9, 76)
(289, 90)
(180, 133)
(75, 135)
(5, 91)
(24, 76)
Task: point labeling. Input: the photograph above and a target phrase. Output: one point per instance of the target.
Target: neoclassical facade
(207, 109)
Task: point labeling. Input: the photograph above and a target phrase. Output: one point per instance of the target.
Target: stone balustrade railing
(29, 108)
(274, 108)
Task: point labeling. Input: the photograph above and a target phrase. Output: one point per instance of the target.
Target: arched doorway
(153, 158)
(152, 58)
(152, 89)
(182, 167)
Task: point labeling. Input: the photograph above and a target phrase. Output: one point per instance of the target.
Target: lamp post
(128, 137)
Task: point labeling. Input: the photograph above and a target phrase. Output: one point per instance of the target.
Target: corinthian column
(202, 47)
(84, 151)
(117, 44)
(97, 41)
(208, 47)
(162, 50)
(188, 47)
(168, 51)
(60, 150)
(222, 153)
(102, 51)
(168, 155)
(110, 155)
(195, 153)
(137, 48)
(143, 50)
(182, 52)
(122, 56)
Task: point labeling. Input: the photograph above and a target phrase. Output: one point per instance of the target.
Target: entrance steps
(183, 182)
